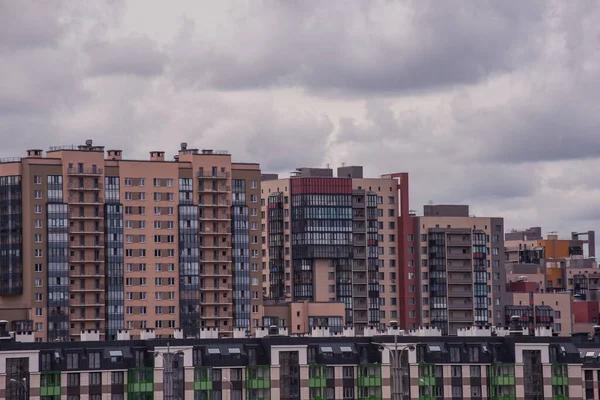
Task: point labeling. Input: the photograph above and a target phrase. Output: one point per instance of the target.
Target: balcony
(220, 273)
(87, 303)
(87, 202)
(85, 274)
(222, 231)
(358, 216)
(459, 267)
(361, 255)
(459, 280)
(459, 305)
(209, 175)
(84, 216)
(221, 217)
(85, 261)
(219, 204)
(87, 245)
(359, 242)
(81, 318)
(85, 171)
(214, 260)
(219, 189)
(221, 315)
(99, 288)
(458, 256)
(359, 280)
(86, 186)
(465, 292)
(360, 305)
(220, 245)
(211, 286)
(455, 240)
(460, 317)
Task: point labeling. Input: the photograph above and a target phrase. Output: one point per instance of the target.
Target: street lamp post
(397, 368)
(22, 383)
(168, 357)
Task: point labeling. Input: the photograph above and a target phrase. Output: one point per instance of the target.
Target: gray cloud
(382, 47)
(488, 103)
(129, 56)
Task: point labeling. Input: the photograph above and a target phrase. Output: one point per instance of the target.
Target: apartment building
(333, 239)
(462, 274)
(408, 259)
(91, 240)
(302, 317)
(475, 366)
(530, 247)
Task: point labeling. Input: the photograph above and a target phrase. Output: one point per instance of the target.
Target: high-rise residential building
(408, 259)
(462, 274)
(333, 239)
(92, 241)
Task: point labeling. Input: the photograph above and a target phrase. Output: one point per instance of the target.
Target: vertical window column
(115, 315)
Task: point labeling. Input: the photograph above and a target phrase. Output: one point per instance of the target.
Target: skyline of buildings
(90, 240)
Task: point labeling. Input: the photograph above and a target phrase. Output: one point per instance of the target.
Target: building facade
(346, 367)
(90, 240)
(333, 239)
(462, 275)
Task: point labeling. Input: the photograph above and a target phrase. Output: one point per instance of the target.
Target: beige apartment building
(559, 306)
(462, 274)
(93, 241)
(332, 239)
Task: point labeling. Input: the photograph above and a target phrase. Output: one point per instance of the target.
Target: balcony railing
(85, 171)
(209, 175)
(91, 186)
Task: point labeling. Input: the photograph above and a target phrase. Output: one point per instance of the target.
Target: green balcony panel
(505, 380)
(427, 380)
(203, 385)
(50, 391)
(505, 397)
(560, 380)
(369, 381)
(140, 387)
(560, 397)
(317, 382)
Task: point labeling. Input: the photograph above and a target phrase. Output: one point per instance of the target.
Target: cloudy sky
(490, 103)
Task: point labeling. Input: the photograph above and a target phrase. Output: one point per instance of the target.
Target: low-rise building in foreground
(478, 363)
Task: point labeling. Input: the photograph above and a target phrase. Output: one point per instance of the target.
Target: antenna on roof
(343, 163)
(430, 202)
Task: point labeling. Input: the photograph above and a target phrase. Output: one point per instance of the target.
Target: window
(95, 378)
(456, 371)
(37, 194)
(454, 354)
(73, 361)
(73, 380)
(117, 378)
(94, 360)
